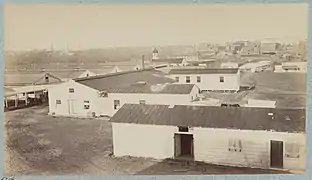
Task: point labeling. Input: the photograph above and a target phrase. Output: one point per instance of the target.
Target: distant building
(270, 46)
(227, 79)
(176, 61)
(261, 103)
(300, 67)
(244, 137)
(155, 54)
(171, 62)
(255, 67)
(229, 65)
(15, 79)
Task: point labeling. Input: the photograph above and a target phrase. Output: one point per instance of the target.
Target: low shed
(249, 137)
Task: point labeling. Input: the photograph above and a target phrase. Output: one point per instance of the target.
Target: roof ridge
(111, 74)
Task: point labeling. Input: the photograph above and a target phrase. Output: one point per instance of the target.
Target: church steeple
(155, 54)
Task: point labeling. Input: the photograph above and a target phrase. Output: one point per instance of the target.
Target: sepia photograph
(155, 89)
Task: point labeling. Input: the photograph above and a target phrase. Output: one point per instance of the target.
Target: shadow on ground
(175, 167)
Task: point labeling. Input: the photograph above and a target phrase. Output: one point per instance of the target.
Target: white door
(71, 106)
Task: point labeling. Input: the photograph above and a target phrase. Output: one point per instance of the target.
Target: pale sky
(99, 26)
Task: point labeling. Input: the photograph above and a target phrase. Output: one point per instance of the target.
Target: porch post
(26, 99)
(16, 100)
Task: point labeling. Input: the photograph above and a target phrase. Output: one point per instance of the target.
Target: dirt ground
(39, 144)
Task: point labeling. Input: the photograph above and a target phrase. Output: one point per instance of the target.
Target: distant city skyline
(81, 27)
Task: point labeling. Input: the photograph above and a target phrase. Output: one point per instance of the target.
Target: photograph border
(174, 177)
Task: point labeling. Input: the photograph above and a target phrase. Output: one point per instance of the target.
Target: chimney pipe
(143, 65)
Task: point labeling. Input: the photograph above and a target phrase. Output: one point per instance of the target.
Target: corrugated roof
(124, 79)
(213, 117)
(204, 71)
(141, 87)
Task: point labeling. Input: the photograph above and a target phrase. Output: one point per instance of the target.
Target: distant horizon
(29, 27)
(147, 46)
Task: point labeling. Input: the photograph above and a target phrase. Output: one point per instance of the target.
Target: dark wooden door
(186, 144)
(277, 152)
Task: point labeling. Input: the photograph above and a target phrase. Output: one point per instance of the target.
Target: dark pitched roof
(203, 71)
(121, 80)
(155, 50)
(168, 60)
(142, 87)
(213, 117)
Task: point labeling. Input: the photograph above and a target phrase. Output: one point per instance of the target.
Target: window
(142, 102)
(177, 79)
(235, 145)
(221, 79)
(71, 90)
(198, 79)
(183, 129)
(86, 104)
(103, 94)
(58, 101)
(292, 150)
(87, 75)
(47, 79)
(188, 79)
(116, 104)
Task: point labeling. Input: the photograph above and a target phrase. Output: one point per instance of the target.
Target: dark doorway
(184, 145)
(276, 155)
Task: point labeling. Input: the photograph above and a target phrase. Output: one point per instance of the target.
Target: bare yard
(39, 144)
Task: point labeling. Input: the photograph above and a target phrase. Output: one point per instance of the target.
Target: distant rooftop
(243, 118)
(26, 78)
(203, 71)
(168, 60)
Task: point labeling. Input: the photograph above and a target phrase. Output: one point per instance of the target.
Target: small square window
(116, 104)
(71, 90)
(183, 129)
(198, 79)
(86, 104)
(142, 102)
(58, 101)
(221, 79)
(177, 79)
(188, 79)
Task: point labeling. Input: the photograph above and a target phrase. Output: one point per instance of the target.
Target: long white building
(225, 79)
(246, 137)
(104, 95)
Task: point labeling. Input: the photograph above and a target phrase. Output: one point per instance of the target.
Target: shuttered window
(235, 145)
(292, 150)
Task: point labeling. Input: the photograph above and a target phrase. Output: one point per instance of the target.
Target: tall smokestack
(143, 63)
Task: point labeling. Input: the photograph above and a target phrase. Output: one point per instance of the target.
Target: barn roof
(142, 87)
(280, 120)
(203, 71)
(123, 80)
